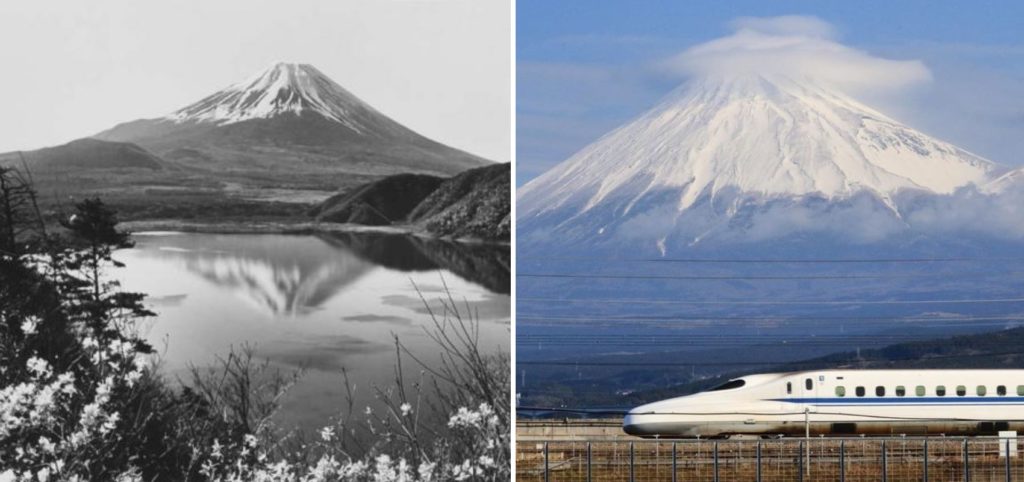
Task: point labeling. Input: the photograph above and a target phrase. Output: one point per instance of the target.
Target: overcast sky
(73, 68)
(584, 68)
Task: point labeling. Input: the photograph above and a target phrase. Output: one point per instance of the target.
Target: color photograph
(769, 241)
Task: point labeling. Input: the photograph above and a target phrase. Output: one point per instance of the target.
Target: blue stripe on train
(951, 400)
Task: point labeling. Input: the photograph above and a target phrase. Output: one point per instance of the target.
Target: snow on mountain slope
(759, 136)
(286, 88)
(294, 115)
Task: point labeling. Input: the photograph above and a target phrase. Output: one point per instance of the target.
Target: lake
(323, 302)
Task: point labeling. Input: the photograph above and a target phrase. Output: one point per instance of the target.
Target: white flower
(250, 440)
(426, 471)
(133, 377)
(110, 424)
(368, 411)
(46, 445)
(29, 325)
(327, 433)
(406, 409)
(38, 366)
(140, 363)
(89, 415)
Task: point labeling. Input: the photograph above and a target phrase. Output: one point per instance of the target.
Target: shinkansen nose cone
(658, 419)
(682, 416)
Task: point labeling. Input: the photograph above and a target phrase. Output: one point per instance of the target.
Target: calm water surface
(324, 302)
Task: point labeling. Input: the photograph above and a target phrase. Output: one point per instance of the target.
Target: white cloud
(786, 25)
(796, 46)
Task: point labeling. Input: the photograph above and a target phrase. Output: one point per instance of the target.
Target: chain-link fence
(816, 459)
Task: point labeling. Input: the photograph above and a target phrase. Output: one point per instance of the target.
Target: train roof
(880, 370)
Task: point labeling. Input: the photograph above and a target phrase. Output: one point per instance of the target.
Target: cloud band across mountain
(796, 46)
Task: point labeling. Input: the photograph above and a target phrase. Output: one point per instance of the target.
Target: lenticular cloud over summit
(797, 47)
(769, 138)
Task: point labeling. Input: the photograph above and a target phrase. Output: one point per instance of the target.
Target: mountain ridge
(719, 147)
(290, 112)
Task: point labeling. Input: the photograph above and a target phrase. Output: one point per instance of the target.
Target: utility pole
(807, 441)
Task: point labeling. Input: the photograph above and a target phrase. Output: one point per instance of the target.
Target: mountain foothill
(272, 148)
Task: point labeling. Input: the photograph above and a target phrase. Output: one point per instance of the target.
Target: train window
(1001, 390)
(840, 391)
(940, 390)
(901, 391)
(729, 385)
(879, 391)
(961, 390)
(808, 384)
(919, 391)
(1020, 390)
(981, 390)
(789, 388)
(860, 391)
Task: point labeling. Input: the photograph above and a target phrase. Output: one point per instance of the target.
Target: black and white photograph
(255, 240)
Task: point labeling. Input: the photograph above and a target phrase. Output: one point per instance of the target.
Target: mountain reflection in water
(293, 275)
(320, 302)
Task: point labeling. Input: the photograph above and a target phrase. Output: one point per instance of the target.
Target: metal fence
(815, 459)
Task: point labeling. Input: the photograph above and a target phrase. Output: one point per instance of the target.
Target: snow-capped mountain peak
(283, 88)
(759, 136)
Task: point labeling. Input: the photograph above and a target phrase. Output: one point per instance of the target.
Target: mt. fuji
(289, 89)
(290, 116)
(745, 157)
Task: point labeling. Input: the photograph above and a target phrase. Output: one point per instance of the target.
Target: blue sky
(585, 67)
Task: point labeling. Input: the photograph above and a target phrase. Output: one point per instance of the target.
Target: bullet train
(842, 402)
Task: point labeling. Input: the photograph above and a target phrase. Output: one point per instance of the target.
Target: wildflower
(426, 471)
(110, 424)
(368, 411)
(352, 470)
(250, 440)
(133, 377)
(406, 409)
(90, 413)
(46, 445)
(38, 366)
(66, 381)
(29, 325)
(327, 434)
(140, 363)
